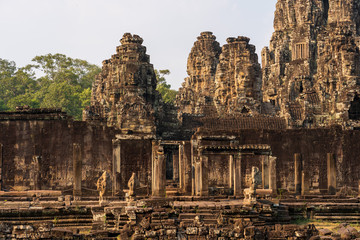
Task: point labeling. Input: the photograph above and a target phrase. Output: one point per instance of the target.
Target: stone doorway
(171, 153)
(354, 111)
(251, 160)
(241, 158)
(166, 168)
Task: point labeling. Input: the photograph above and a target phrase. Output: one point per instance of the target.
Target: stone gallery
(245, 150)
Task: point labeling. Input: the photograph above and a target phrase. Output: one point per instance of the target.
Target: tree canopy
(168, 95)
(63, 82)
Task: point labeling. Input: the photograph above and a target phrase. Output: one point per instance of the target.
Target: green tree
(65, 96)
(64, 83)
(7, 68)
(58, 67)
(16, 85)
(168, 95)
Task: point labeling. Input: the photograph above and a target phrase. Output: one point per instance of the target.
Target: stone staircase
(207, 218)
(339, 212)
(263, 214)
(75, 218)
(172, 188)
(325, 209)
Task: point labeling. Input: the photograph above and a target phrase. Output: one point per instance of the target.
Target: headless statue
(250, 193)
(133, 185)
(101, 186)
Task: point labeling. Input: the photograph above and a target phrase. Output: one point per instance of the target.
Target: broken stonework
(311, 70)
(197, 92)
(124, 94)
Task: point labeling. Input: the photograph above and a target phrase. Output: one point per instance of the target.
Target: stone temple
(244, 151)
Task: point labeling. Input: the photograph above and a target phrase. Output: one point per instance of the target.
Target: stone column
(176, 166)
(116, 176)
(188, 168)
(181, 167)
(265, 171)
(231, 171)
(1, 166)
(196, 179)
(36, 172)
(154, 150)
(77, 167)
(194, 168)
(331, 173)
(204, 175)
(298, 170)
(304, 184)
(159, 174)
(237, 175)
(272, 173)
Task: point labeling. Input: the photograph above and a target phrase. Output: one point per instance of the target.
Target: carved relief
(315, 86)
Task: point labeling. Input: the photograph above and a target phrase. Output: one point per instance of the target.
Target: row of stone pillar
(201, 173)
(268, 174)
(182, 169)
(301, 182)
(235, 174)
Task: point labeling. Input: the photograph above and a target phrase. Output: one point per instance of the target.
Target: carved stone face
(348, 64)
(242, 81)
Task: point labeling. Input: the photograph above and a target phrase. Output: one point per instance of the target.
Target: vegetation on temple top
(168, 95)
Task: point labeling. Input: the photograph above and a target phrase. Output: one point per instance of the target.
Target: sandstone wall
(53, 142)
(312, 144)
(136, 158)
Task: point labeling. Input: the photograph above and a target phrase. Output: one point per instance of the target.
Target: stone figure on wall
(255, 177)
(250, 193)
(102, 185)
(133, 185)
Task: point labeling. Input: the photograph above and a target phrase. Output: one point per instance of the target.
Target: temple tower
(124, 94)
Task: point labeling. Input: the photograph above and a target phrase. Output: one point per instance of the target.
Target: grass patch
(322, 224)
(301, 221)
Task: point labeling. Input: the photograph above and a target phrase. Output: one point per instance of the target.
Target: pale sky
(91, 29)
